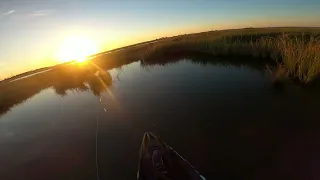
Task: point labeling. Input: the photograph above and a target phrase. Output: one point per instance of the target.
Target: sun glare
(76, 49)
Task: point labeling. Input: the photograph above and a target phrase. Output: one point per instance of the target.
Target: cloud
(7, 13)
(43, 12)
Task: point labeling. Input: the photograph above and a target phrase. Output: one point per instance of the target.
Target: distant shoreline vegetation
(287, 54)
(292, 52)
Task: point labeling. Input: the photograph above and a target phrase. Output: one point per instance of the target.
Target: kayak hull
(159, 161)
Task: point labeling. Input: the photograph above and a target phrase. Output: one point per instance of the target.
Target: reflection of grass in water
(69, 77)
(203, 59)
(76, 77)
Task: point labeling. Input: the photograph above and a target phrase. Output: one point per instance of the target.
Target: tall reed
(297, 56)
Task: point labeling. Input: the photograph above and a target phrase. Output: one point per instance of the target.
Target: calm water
(229, 121)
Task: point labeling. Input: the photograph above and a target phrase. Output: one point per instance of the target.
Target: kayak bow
(158, 161)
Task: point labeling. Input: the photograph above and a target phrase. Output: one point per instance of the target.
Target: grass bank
(290, 55)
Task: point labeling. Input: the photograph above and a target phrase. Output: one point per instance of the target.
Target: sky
(33, 31)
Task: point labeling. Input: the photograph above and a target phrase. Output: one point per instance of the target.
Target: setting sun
(77, 49)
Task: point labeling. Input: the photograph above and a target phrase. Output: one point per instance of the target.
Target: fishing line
(97, 131)
(112, 97)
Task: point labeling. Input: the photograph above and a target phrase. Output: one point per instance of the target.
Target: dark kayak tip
(158, 161)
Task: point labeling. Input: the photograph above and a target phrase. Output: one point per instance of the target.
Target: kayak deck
(160, 161)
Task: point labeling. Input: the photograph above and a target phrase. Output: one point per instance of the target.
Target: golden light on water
(76, 48)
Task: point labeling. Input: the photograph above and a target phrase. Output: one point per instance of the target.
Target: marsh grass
(295, 55)
(300, 57)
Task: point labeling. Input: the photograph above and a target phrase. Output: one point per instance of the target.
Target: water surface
(228, 120)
